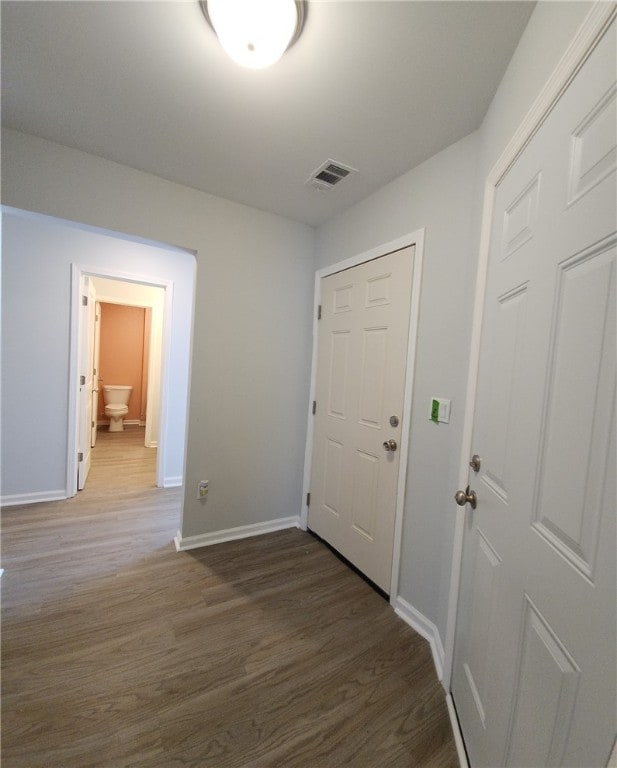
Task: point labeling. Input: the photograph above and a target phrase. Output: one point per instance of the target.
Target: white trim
(582, 44)
(77, 271)
(411, 239)
(72, 421)
(456, 732)
(164, 386)
(412, 341)
(612, 760)
(589, 33)
(32, 498)
(172, 482)
(231, 534)
(423, 627)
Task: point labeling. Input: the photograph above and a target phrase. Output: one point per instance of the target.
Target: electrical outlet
(202, 489)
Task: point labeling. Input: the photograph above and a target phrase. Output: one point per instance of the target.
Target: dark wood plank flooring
(118, 651)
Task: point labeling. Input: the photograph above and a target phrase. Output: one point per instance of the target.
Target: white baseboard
(230, 534)
(172, 482)
(424, 627)
(456, 732)
(13, 500)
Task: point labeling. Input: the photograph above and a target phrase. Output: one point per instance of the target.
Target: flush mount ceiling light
(255, 33)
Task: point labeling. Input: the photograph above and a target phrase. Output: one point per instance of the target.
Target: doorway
(139, 309)
(91, 289)
(127, 336)
(360, 512)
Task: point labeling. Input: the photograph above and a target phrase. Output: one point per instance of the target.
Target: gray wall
(440, 196)
(253, 306)
(37, 253)
(444, 195)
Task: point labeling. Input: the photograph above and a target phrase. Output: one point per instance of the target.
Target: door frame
(588, 35)
(416, 239)
(77, 272)
(96, 356)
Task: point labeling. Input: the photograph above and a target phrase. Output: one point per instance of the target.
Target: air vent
(328, 174)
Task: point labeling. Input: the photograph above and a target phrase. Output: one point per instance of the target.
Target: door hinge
(319, 312)
(80, 456)
(314, 407)
(82, 381)
(308, 499)
(84, 301)
(92, 424)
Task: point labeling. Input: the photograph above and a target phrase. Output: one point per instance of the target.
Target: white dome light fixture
(255, 33)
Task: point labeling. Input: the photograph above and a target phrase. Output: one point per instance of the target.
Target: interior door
(95, 366)
(86, 381)
(362, 356)
(534, 677)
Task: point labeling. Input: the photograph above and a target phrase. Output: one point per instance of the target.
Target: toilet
(116, 398)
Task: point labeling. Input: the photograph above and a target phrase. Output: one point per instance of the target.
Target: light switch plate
(439, 410)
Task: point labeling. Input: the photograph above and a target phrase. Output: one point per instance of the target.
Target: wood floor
(118, 651)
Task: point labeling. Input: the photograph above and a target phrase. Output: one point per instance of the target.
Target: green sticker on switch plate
(435, 411)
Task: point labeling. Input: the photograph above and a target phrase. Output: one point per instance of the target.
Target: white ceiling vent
(329, 174)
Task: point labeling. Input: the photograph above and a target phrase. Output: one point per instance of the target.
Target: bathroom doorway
(130, 331)
(152, 299)
(127, 352)
(121, 346)
(123, 355)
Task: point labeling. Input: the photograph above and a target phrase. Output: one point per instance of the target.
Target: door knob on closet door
(466, 497)
(390, 445)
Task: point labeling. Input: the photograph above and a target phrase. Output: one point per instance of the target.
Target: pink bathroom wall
(122, 357)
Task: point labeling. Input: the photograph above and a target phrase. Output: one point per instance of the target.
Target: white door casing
(360, 385)
(534, 660)
(86, 380)
(95, 369)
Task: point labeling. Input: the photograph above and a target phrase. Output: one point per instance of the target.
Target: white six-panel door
(534, 678)
(362, 356)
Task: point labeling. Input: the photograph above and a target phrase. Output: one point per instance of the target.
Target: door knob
(466, 497)
(390, 445)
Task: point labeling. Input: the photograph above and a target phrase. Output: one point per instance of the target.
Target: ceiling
(378, 86)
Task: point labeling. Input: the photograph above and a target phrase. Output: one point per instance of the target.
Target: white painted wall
(444, 196)
(251, 350)
(37, 253)
(138, 295)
